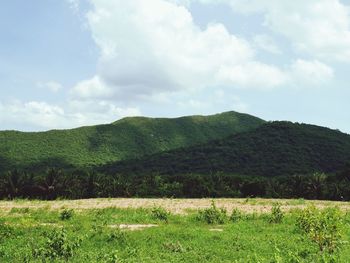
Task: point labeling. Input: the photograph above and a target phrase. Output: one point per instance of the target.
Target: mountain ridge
(126, 138)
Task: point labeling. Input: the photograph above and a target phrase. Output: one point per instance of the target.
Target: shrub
(57, 245)
(236, 215)
(322, 226)
(212, 215)
(160, 213)
(277, 214)
(66, 214)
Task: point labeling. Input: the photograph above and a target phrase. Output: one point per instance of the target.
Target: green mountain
(124, 139)
(273, 149)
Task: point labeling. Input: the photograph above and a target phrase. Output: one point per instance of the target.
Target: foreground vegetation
(158, 235)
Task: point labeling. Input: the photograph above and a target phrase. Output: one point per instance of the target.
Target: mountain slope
(278, 148)
(126, 138)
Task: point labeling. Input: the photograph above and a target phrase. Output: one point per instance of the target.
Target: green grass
(182, 238)
(124, 139)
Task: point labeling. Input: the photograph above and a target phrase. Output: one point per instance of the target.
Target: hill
(127, 138)
(273, 149)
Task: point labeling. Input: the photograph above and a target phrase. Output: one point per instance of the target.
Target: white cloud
(219, 99)
(253, 74)
(92, 88)
(310, 73)
(36, 115)
(151, 47)
(74, 4)
(51, 85)
(266, 43)
(316, 27)
(153, 52)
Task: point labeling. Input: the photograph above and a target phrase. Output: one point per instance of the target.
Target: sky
(71, 63)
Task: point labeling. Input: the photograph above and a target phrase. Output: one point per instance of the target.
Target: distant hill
(273, 149)
(124, 139)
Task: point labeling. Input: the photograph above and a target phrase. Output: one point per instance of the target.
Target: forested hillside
(124, 139)
(274, 149)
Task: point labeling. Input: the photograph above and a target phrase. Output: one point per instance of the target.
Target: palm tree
(316, 184)
(13, 184)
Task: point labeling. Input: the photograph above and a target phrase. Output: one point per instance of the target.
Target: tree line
(78, 184)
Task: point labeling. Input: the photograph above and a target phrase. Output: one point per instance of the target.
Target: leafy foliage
(57, 245)
(322, 226)
(277, 214)
(212, 215)
(160, 213)
(66, 214)
(236, 215)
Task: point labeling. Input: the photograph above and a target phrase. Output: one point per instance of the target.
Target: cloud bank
(150, 47)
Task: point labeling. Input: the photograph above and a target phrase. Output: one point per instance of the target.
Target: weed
(236, 215)
(277, 214)
(66, 214)
(160, 213)
(57, 245)
(212, 215)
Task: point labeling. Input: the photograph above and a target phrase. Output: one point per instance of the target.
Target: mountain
(273, 149)
(127, 138)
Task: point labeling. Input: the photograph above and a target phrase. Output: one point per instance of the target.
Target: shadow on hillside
(125, 140)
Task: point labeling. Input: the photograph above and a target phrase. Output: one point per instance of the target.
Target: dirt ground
(176, 206)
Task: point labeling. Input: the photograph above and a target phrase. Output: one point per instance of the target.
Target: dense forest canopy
(273, 149)
(127, 138)
(224, 155)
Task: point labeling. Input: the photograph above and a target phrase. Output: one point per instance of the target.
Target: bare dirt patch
(176, 206)
(133, 227)
(216, 230)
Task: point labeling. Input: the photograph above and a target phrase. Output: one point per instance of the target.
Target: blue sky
(68, 63)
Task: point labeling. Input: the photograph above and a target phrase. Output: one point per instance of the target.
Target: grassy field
(174, 230)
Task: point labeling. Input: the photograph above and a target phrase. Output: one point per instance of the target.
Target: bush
(160, 213)
(66, 214)
(236, 215)
(57, 245)
(322, 226)
(277, 214)
(212, 215)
